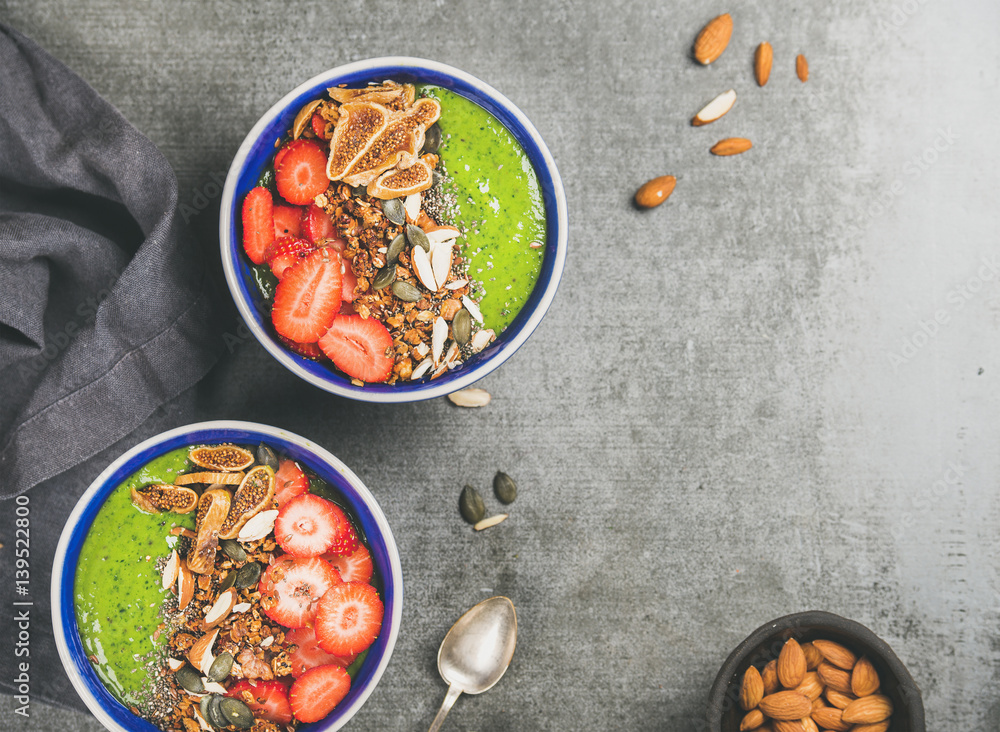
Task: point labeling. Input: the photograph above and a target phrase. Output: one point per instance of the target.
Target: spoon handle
(449, 700)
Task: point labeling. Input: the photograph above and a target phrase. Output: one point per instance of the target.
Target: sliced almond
(472, 308)
(303, 118)
(267, 641)
(438, 336)
(182, 531)
(490, 521)
(174, 664)
(201, 720)
(258, 527)
(411, 204)
(457, 284)
(214, 687)
(470, 398)
(422, 368)
(482, 339)
(449, 358)
(241, 607)
(441, 256)
(422, 264)
(715, 108)
(536, 245)
(185, 585)
(170, 570)
(421, 349)
(442, 233)
(220, 609)
(200, 654)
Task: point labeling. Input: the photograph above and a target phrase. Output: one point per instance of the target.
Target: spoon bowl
(476, 651)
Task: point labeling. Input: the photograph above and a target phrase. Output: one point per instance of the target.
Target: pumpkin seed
(470, 503)
(405, 291)
(236, 713)
(204, 704)
(505, 487)
(359, 191)
(432, 139)
(215, 716)
(394, 211)
(385, 277)
(248, 575)
(188, 678)
(233, 550)
(266, 456)
(228, 580)
(461, 326)
(417, 238)
(220, 667)
(395, 249)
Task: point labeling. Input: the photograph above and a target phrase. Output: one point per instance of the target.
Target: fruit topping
(390, 93)
(418, 177)
(258, 223)
(306, 350)
(356, 567)
(308, 654)
(290, 481)
(317, 225)
(285, 253)
(267, 699)
(209, 478)
(360, 347)
(300, 175)
(213, 508)
(348, 618)
(308, 298)
(160, 497)
(224, 458)
(291, 587)
(308, 525)
(318, 691)
(254, 495)
(287, 221)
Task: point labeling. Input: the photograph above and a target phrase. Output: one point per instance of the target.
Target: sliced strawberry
(289, 589)
(356, 567)
(359, 347)
(308, 525)
(285, 253)
(337, 243)
(308, 298)
(317, 225)
(270, 699)
(350, 281)
(287, 220)
(319, 126)
(308, 654)
(316, 692)
(258, 223)
(301, 173)
(348, 618)
(306, 350)
(346, 308)
(289, 481)
(279, 156)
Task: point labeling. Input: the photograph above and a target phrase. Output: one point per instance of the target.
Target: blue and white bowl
(385, 557)
(257, 150)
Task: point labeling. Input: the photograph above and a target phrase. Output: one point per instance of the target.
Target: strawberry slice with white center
(270, 699)
(318, 691)
(308, 654)
(308, 525)
(348, 618)
(289, 482)
(300, 172)
(359, 347)
(356, 567)
(308, 298)
(291, 587)
(317, 224)
(258, 223)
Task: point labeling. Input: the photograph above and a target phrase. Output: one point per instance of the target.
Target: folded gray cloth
(105, 308)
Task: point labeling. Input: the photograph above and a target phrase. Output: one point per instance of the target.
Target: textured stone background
(719, 422)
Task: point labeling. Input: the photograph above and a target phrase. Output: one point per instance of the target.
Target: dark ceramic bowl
(764, 644)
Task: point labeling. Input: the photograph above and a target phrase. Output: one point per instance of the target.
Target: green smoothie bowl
(226, 575)
(393, 230)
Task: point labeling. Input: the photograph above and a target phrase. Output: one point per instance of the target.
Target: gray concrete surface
(740, 405)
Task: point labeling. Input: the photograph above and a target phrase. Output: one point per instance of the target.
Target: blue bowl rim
(110, 712)
(498, 352)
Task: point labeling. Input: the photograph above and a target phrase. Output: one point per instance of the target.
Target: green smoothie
(118, 591)
(500, 205)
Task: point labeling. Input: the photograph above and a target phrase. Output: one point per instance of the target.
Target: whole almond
(656, 191)
(713, 39)
(810, 686)
(731, 146)
(836, 654)
(864, 678)
(882, 726)
(836, 678)
(786, 705)
(770, 677)
(791, 664)
(789, 725)
(752, 720)
(837, 698)
(813, 656)
(867, 710)
(762, 58)
(802, 68)
(751, 689)
(808, 725)
(819, 704)
(830, 718)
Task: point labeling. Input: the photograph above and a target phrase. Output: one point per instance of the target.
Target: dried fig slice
(224, 458)
(254, 495)
(213, 508)
(209, 478)
(160, 497)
